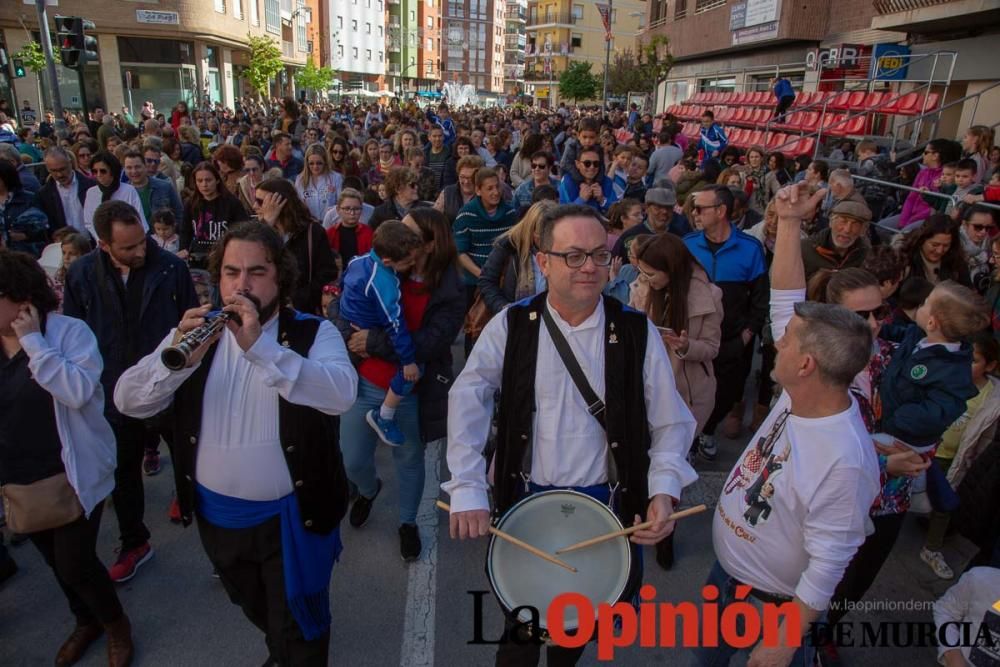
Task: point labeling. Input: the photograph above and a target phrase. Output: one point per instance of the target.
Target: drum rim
(499, 525)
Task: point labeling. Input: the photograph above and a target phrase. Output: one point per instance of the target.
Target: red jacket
(364, 234)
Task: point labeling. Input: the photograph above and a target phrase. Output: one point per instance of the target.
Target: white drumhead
(552, 520)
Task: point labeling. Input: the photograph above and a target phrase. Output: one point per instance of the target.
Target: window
(429, 44)
(340, 50)
(254, 12)
(368, 28)
(429, 3)
(727, 84)
(680, 10)
(381, 56)
(368, 54)
(354, 25)
(577, 41)
(577, 13)
(413, 15)
(238, 9)
(380, 31)
(300, 27)
(272, 17)
(354, 52)
(430, 22)
(220, 6)
(340, 22)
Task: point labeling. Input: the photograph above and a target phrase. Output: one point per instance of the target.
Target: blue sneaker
(387, 430)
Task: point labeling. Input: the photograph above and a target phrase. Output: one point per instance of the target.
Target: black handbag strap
(595, 406)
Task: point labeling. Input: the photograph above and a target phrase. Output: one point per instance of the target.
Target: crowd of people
(347, 247)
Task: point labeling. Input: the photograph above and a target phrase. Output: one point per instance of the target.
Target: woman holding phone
(674, 291)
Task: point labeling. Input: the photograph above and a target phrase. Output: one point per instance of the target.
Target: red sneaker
(128, 563)
(174, 513)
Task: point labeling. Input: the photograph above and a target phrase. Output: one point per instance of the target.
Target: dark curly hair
(257, 232)
(23, 280)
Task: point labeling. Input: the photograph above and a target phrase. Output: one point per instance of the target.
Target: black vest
(309, 439)
(625, 333)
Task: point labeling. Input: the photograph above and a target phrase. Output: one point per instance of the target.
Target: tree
(314, 78)
(32, 56)
(578, 83)
(265, 63)
(639, 72)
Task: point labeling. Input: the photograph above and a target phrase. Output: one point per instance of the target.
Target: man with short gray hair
(62, 196)
(792, 511)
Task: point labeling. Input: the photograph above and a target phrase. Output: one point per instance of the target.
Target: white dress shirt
(239, 450)
(72, 208)
(125, 193)
(569, 446)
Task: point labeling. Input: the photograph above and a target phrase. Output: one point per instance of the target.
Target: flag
(605, 11)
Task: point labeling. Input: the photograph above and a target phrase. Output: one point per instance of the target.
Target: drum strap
(595, 406)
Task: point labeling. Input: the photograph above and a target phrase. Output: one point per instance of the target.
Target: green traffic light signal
(18, 68)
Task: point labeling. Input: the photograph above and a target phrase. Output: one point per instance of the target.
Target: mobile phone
(666, 330)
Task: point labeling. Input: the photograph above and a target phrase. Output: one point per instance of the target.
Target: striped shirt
(475, 231)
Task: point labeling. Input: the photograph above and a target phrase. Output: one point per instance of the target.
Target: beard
(264, 313)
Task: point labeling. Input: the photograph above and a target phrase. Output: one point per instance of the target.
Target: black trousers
(527, 653)
(132, 438)
(71, 552)
(732, 367)
(249, 563)
(783, 104)
(865, 566)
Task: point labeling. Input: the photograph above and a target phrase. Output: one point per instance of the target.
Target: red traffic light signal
(76, 48)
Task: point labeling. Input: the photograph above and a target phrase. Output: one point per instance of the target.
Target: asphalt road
(387, 612)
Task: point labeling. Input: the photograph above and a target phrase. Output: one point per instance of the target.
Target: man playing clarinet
(257, 455)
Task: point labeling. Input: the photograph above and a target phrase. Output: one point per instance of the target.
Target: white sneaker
(936, 560)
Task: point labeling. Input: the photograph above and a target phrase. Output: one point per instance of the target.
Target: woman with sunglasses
(401, 196)
(520, 168)
(108, 174)
(84, 151)
(318, 186)
(208, 212)
(253, 173)
(341, 160)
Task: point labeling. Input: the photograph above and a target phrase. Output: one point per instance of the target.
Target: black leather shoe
(409, 542)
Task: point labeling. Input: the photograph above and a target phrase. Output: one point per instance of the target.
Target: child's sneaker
(387, 430)
(936, 560)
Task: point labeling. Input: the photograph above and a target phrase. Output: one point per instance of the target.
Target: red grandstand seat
(761, 116)
(691, 129)
(722, 114)
(808, 121)
(737, 136)
(764, 98)
(775, 140)
(739, 116)
(755, 138)
(827, 121)
(874, 100)
(804, 146)
(856, 100)
(903, 104)
(740, 99)
(841, 101)
(836, 128)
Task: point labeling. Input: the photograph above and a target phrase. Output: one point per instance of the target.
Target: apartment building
(358, 41)
(175, 50)
(472, 52)
(560, 32)
(515, 43)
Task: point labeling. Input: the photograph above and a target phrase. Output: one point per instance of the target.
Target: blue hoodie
(569, 193)
(370, 297)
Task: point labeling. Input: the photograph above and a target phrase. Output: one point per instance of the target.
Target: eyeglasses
(539, 166)
(577, 258)
(350, 209)
(697, 208)
(82, 154)
(336, 152)
(102, 171)
(880, 313)
(150, 160)
(976, 226)
(590, 164)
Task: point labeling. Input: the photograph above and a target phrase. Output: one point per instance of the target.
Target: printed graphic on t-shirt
(984, 653)
(754, 478)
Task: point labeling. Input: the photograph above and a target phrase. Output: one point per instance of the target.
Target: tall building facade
(190, 50)
(515, 42)
(472, 51)
(560, 32)
(357, 30)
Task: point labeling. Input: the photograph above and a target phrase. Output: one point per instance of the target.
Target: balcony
(392, 2)
(513, 42)
(931, 16)
(287, 49)
(556, 18)
(393, 70)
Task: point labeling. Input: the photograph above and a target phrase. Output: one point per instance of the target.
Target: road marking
(421, 585)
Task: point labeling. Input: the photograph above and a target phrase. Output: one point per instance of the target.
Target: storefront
(159, 70)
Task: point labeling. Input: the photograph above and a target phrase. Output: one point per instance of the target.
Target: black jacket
(499, 275)
(441, 323)
(91, 295)
(448, 173)
(322, 269)
(387, 211)
(48, 200)
(310, 439)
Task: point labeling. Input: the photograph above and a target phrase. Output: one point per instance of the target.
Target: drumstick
(518, 543)
(697, 509)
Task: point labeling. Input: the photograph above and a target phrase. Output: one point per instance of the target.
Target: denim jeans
(358, 442)
(720, 655)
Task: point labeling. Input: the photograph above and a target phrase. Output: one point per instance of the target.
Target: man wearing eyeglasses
(62, 196)
(734, 261)
(633, 449)
(541, 174)
(591, 188)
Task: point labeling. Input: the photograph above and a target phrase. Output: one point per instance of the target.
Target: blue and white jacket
(370, 297)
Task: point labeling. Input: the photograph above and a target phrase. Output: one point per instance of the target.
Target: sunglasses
(977, 227)
(590, 164)
(150, 160)
(336, 152)
(102, 171)
(539, 166)
(880, 313)
(82, 154)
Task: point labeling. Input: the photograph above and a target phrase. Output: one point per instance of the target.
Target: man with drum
(631, 448)
(257, 456)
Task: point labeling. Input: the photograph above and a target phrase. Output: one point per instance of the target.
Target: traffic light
(18, 68)
(76, 48)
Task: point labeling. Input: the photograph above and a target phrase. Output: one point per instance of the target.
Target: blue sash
(307, 558)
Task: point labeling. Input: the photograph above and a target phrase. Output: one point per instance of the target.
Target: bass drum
(552, 520)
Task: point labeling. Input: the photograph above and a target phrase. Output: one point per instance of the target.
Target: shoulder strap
(595, 406)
